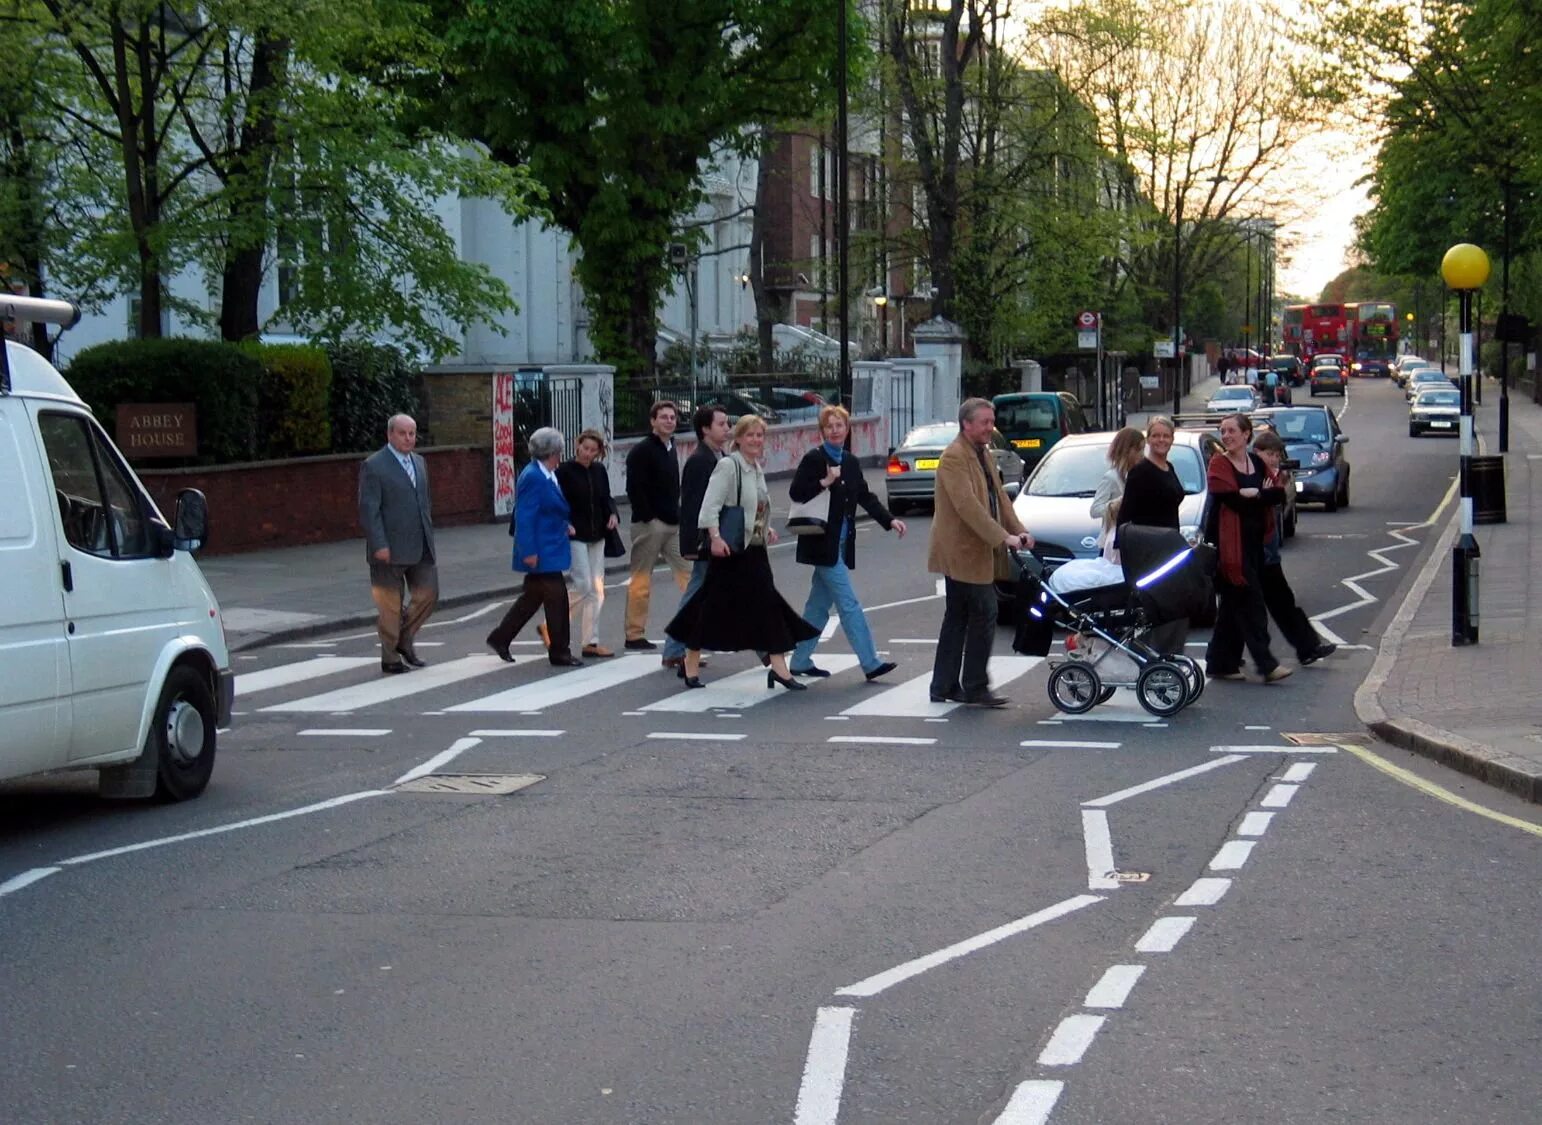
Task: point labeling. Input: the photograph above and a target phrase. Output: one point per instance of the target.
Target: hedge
(221, 380)
(370, 382)
(293, 400)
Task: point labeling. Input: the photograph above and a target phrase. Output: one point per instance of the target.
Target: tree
(616, 107)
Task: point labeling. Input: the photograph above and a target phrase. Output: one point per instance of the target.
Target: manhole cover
(1130, 876)
(1321, 739)
(482, 784)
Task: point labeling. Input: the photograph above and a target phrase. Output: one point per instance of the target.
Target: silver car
(911, 477)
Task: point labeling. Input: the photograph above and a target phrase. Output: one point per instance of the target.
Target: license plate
(927, 463)
(1027, 443)
(1440, 425)
(1300, 484)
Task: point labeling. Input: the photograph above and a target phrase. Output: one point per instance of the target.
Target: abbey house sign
(158, 429)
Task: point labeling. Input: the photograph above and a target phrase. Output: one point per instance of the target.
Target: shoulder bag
(730, 519)
(810, 517)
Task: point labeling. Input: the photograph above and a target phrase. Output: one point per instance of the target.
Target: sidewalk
(1477, 708)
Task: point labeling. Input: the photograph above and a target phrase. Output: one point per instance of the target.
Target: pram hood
(1163, 572)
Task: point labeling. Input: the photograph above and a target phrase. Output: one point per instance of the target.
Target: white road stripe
(1055, 744)
(694, 736)
(528, 733)
(26, 879)
(1031, 1103)
(1164, 934)
(385, 689)
(912, 640)
(1071, 1039)
(1099, 849)
(1204, 892)
(1121, 708)
(564, 687)
(249, 683)
(882, 741)
(1158, 782)
(344, 732)
(1278, 796)
(1274, 749)
(1232, 855)
(830, 626)
(1300, 771)
(444, 757)
(877, 983)
(738, 691)
(1113, 988)
(824, 1068)
(1255, 824)
(911, 699)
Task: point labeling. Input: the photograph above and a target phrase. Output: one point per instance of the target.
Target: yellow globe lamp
(1465, 266)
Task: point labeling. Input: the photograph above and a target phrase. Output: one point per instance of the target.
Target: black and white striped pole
(1465, 269)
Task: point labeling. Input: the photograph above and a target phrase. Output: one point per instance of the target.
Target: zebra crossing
(547, 690)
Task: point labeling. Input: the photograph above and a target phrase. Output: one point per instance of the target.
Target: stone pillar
(1030, 374)
(942, 342)
(879, 374)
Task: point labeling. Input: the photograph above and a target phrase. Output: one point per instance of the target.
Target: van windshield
(1026, 414)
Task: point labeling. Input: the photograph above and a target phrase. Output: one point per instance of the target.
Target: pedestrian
(592, 513)
(738, 606)
(973, 521)
(1243, 520)
(542, 552)
(653, 490)
(397, 517)
(713, 433)
(1124, 453)
(1279, 598)
(1153, 495)
(830, 467)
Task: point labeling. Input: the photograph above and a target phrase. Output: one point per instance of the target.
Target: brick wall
(314, 499)
(457, 408)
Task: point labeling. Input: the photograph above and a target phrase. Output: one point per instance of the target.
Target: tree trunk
(248, 190)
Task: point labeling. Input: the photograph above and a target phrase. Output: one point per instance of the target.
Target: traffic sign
(1087, 339)
(1086, 319)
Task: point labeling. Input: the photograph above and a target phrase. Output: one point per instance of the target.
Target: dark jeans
(964, 645)
(1291, 619)
(541, 590)
(1241, 620)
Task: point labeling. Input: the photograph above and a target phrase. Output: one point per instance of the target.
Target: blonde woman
(738, 606)
(1124, 453)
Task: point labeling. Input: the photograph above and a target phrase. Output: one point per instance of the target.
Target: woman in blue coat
(541, 551)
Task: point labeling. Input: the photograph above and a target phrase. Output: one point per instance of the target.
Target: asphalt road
(847, 904)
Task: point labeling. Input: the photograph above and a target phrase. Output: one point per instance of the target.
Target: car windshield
(924, 436)
(1281, 364)
(1240, 393)
(1428, 375)
(1439, 398)
(1301, 425)
(1075, 470)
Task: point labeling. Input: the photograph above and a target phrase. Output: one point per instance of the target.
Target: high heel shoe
(772, 679)
(692, 681)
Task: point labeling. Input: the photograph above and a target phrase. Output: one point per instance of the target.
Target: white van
(112, 652)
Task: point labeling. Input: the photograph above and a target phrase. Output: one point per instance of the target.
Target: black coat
(589, 500)
(849, 490)
(693, 489)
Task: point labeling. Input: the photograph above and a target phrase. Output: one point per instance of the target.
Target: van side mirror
(190, 525)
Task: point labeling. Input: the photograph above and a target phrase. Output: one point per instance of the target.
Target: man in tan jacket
(973, 524)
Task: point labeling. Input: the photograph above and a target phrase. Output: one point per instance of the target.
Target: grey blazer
(394, 514)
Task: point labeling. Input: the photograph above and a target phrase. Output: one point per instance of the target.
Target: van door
(34, 659)
(119, 597)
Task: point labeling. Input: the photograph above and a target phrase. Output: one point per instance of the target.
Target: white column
(942, 341)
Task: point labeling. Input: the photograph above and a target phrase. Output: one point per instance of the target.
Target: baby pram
(1165, 579)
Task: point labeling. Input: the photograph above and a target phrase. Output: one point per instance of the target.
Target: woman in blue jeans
(833, 555)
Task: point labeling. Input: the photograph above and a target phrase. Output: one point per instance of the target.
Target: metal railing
(777, 398)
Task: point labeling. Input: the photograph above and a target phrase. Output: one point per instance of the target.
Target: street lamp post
(882, 301)
(1465, 269)
(1178, 308)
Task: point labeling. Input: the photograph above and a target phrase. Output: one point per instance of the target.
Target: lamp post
(842, 220)
(1409, 336)
(1178, 308)
(1465, 269)
(882, 301)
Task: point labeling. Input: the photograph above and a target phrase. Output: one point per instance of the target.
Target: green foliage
(293, 400)
(370, 382)
(221, 380)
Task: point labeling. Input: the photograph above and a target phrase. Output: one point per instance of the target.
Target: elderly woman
(737, 606)
(1245, 494)
(541, 551)
(592, 512)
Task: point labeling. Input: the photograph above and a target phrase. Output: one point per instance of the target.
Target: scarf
(834, 452)
(1222, 479)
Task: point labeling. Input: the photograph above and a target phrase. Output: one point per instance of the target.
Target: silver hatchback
(911, 475)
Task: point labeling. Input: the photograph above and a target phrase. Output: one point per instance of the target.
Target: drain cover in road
(1309, 739)
(481, 784)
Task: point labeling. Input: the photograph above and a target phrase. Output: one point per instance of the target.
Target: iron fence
(902, 405)
(777, 398)
(546, 400)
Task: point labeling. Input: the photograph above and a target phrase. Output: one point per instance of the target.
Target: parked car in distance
(1033, 421)
(1328, 378)
(1405, 365)
(1232, 400)
(1421, 377)
(1314, 440)
(1435, 409)
(911, 475)
(794, 405)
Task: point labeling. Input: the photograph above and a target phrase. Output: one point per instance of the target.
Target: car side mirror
(190, 525)
(1341, 439)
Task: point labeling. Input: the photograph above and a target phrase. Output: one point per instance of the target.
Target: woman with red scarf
(1243, 494)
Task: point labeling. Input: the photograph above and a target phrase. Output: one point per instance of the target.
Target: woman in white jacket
(738, 606)
(1124, 453)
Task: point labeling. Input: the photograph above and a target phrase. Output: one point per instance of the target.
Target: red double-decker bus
(1373, 329)
(1324, 328)
(1290, 328)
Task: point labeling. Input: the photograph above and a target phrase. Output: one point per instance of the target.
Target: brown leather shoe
(597, 650)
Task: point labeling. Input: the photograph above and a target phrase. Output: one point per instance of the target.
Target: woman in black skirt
(738, 606)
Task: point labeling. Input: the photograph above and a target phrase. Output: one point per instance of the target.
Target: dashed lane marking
(1031, 1102)
(1164, 934)
(1113, 988)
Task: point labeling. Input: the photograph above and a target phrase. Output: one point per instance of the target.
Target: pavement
(1474, 708)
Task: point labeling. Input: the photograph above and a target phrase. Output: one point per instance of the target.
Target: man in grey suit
(396, 514)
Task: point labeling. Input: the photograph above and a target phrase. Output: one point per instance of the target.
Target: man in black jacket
(653, 489)
(712, 433)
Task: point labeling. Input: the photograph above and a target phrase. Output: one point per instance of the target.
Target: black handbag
(730, 519)
(614, 547)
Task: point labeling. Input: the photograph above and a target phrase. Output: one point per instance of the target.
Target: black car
(1371, 368)
(1313, 439)
(1289, 367)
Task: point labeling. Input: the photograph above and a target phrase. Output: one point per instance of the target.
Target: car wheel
(1331, 504)
(1413, 431)
(182, 735)
(1344, 497)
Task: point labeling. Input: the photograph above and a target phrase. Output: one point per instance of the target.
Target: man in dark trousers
(712, 433)
(396, 515)
(653, 489)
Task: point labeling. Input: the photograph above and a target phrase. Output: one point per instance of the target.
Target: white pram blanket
(1085, 574)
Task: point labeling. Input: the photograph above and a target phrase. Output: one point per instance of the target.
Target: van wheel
(182, 736)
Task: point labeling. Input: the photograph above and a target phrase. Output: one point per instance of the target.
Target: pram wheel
(1162, 689)
(1193, 672)
(1106, 694)
(1074, 687)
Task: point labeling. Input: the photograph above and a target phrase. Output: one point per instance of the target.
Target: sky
(1321, 238)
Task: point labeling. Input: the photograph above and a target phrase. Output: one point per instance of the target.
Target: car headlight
(1355, 367)
(1321, 457)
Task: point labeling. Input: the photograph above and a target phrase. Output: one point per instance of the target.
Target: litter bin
(1486, 481)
